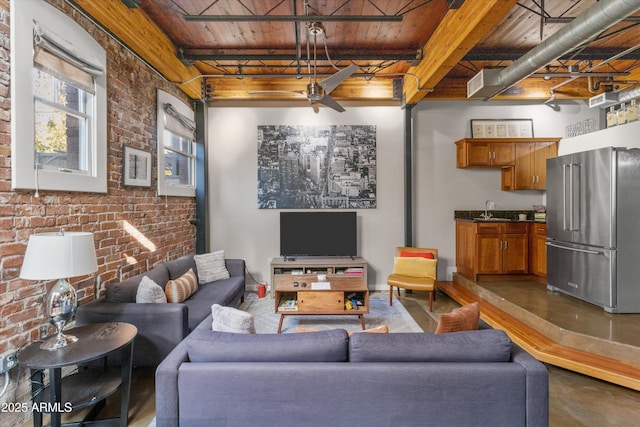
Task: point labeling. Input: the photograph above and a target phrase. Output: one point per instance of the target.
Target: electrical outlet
(8, 360)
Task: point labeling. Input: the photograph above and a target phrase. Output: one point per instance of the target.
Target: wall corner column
(201, 221)
(408, 175)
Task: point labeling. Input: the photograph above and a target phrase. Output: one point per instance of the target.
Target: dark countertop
(499, 220)
(509, 216)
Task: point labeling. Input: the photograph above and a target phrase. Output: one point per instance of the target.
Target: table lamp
(59, 256)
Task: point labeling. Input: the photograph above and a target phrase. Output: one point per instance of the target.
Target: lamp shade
(59, 255)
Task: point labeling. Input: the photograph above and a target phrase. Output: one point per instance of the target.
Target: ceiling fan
(318, 91)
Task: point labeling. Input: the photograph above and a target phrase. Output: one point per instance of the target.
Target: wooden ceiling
(435, 46)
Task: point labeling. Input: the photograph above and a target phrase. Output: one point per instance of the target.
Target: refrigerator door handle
(565, 170)
(572, 192)
(586, 251)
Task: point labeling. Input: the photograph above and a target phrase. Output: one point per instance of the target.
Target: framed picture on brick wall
(136, 167)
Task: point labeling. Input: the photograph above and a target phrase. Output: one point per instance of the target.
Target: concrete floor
(575, 400)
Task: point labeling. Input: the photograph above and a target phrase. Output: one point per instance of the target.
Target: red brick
(131, 114)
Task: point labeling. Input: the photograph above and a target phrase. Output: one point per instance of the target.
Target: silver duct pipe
(628, 95)
(600, 16)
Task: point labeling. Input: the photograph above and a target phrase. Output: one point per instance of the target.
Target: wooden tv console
(293, 280)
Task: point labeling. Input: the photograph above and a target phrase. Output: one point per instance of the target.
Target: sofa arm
(235, 267)
(161, 327)
(167, 395)
(537, 387)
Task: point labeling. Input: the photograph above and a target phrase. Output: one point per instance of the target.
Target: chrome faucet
(486, 214)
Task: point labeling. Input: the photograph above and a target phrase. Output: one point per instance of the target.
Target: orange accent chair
(415, 269)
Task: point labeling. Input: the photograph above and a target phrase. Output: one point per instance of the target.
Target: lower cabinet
(492, 248)
(539, 250)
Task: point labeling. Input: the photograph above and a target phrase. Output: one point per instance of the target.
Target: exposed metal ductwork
(628, 95)
(583, 28)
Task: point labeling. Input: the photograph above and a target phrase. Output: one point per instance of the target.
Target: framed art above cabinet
(502, 128)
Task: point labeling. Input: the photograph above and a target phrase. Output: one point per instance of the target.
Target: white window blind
(178, 123)
(64, 49)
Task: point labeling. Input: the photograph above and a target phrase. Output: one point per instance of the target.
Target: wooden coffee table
(310, 301)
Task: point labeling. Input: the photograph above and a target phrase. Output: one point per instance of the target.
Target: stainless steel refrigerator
(593, 227)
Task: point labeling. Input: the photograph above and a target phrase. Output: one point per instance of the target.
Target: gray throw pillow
(211, 267)
(150, 292)
(229, 319)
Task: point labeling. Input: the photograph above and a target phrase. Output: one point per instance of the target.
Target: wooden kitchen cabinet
(530, 169)
(523, 161)
(484, 152)
(492, 249)
(538, 250)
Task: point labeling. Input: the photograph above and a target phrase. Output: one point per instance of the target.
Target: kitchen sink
(496, 219)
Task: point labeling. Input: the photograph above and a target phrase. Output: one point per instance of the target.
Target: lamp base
(60, 305)
(58, 341)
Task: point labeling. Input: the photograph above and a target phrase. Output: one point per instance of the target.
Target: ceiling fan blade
(330, 102)
(332, 82)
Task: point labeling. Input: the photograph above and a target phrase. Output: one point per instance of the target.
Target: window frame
(165, 188)
(24, 174)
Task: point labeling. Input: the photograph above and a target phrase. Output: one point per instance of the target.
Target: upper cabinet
(523, 160)
(483, 152)
(530, 169)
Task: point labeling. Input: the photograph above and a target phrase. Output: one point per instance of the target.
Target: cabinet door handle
(505, 245)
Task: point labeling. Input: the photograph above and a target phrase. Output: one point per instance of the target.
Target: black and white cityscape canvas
(317, 167)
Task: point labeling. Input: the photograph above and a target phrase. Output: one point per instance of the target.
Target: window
(58, 102)
(176, 147)
(178, 160)
(63, 113)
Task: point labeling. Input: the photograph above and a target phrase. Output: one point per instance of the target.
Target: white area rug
(395, 317)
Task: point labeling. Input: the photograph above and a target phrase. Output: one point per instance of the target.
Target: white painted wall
(243, 230)
(440, 188)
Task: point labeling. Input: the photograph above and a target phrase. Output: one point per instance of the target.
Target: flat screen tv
(318, 234)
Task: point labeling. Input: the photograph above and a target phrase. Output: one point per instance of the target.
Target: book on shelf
(354, 270)
(288, 302)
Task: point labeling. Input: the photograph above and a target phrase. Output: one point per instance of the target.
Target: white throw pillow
(211, 267)
(150, 292)
(229, 319)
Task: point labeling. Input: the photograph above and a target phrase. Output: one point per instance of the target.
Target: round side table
(92, 383)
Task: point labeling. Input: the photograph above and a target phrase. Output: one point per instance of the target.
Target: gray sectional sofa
(161, 327)
(477, 378)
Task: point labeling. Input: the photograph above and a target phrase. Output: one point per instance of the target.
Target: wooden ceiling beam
(633, 75)
(134, 28)
(223, 88)
(460, 30)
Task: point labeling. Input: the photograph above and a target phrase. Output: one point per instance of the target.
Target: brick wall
(132, 227)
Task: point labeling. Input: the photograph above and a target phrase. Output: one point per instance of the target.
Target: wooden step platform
(545, 349)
